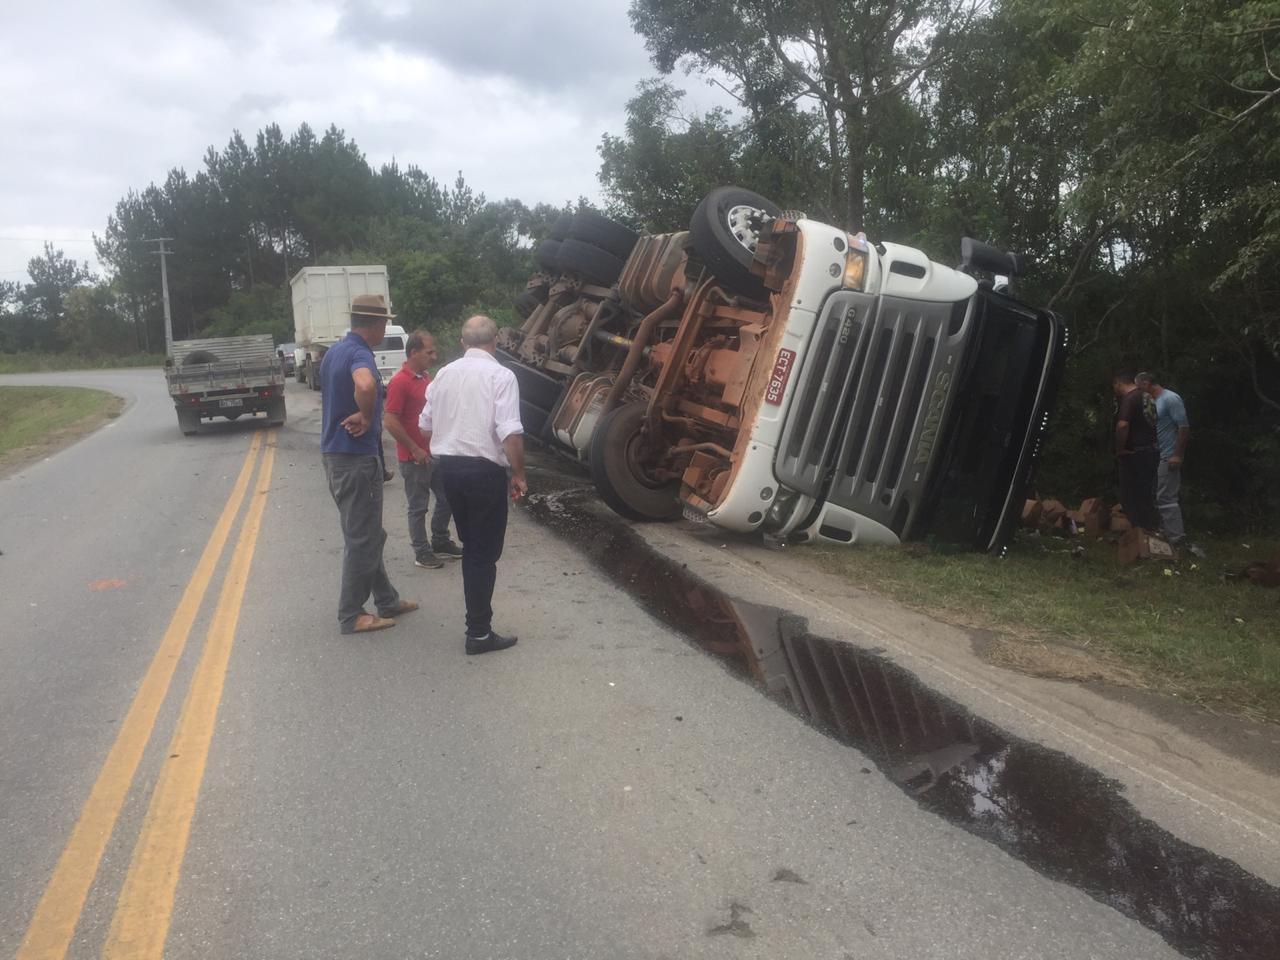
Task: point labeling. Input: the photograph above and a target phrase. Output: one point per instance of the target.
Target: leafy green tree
(91, 322)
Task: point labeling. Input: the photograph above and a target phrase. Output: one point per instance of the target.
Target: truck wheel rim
(744, 222)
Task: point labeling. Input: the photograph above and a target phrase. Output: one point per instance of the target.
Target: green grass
(1194, 631)
(42, 362)
(38, 418)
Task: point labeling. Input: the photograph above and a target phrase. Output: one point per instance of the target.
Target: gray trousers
(420, 482)
(1168, 483)
(356, 485)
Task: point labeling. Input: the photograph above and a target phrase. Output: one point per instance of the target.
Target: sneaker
(489, 643)
(447, 550)
(428, 561)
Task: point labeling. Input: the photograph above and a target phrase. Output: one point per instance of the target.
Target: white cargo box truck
(322, 310)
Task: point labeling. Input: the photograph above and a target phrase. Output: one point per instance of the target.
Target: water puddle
(1052, 812)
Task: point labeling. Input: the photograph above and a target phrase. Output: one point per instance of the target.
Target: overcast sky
(97, 98)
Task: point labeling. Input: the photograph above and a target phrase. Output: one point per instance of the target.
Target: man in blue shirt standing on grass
(350, 442)
(1172, 432)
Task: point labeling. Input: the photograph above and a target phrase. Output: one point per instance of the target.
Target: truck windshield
(988, 429)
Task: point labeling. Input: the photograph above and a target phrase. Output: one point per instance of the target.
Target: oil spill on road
(1057, 815)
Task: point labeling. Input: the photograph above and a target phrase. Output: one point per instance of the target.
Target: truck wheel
(608, 235)
(592, 263)
(188, 422)
(313, 376)
(560, 229)
(619, 476)
(725, 229)
(276, 413)
(548, 255)
(525, 304)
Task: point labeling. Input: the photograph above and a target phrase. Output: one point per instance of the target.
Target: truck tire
(591, 263)
(548, 255)
(188, 422)
(617, 474)
(560, 229)
(724, 230)
(608, 235)
(313, 376)
(276, 415)
(525, 304)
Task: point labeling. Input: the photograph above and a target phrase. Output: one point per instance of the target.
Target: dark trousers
(477, 492)
(356, 486)
(1138, 488)
(420, 482)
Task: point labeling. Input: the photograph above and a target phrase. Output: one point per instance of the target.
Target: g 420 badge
(781, 373)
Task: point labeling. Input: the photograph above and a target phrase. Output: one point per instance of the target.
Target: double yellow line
(145, 906)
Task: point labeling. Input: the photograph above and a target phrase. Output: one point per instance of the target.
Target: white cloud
(97, 99)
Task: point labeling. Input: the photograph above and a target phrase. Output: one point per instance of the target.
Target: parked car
(763, 371)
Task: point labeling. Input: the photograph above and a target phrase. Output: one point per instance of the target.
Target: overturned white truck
(766, 372)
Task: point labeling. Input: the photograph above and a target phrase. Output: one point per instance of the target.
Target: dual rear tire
(619, 472)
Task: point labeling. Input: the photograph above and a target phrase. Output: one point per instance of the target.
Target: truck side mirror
(978, 256)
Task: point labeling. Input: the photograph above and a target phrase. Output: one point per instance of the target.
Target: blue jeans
(1168, 483)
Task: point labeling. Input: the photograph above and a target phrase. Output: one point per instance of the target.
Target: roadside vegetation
(1067, 608)
(35, 421)
(36, 362)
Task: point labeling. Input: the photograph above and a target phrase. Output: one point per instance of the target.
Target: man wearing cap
(1173, 429)
(350, 442)
(471, 423)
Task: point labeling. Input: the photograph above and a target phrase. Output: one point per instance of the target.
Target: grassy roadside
(35, 421)
(1193, 631)
(46, 362)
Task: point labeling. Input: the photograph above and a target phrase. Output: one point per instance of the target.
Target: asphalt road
(257, 786)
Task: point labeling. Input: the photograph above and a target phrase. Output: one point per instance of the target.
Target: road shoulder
(64, 415)
(1202, 789)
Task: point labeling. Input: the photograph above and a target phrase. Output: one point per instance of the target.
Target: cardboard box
(1096, 517)
(1053, 511)
(1137, 545)
(1031, 511)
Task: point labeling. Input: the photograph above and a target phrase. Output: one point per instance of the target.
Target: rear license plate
(231, 403)
(781, 373)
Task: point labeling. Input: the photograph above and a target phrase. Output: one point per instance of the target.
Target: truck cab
(767, 372)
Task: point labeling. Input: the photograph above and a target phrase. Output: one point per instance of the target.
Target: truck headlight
(855, 262)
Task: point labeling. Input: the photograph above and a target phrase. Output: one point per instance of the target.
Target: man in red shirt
(406, 396)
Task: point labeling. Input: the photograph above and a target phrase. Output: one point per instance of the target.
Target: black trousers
(1138, 488)
(477, 492)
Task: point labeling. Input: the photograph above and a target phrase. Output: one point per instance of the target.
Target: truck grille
(861, 401)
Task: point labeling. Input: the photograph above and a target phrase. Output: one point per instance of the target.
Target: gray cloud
(513, 94)
(572, 46)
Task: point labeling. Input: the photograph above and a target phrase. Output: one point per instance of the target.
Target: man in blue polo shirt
(349, 442)
(1173, 430)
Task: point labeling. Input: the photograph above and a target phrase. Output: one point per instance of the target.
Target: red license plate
(781, 373)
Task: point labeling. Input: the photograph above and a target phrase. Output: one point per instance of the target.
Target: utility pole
(164, 288)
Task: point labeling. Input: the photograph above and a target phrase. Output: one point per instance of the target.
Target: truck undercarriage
(766, 372)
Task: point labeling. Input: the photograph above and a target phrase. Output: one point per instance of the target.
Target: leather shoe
(367, 623)
(404, 606)
(489, 644)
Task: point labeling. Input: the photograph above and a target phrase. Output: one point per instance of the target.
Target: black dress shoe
(489, 644)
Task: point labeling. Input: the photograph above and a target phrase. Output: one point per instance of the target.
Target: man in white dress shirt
(471, 423)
